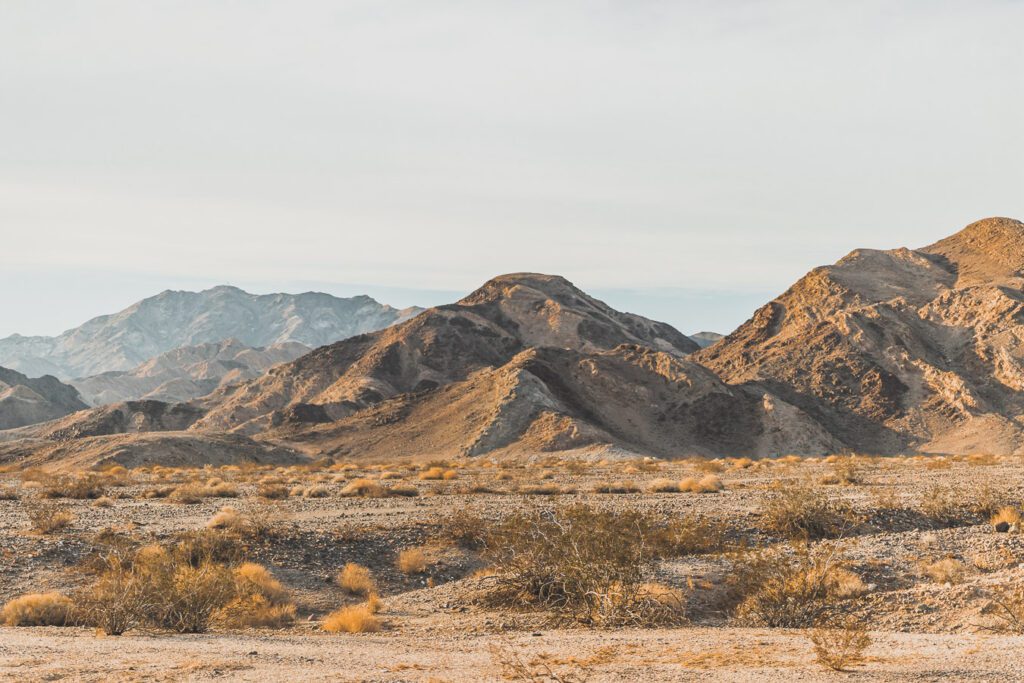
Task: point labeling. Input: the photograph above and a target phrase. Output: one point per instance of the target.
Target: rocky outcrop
(891, 351)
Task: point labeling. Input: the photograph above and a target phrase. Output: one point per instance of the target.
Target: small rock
(1003, 527)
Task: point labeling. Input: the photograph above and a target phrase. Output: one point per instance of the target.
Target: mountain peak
(987, 251)
(499, 286)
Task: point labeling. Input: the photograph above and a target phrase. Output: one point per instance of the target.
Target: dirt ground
(911, 514)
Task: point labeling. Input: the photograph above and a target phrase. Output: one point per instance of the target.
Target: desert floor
(928, 563)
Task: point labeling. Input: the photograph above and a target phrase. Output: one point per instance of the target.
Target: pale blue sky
(685, 160)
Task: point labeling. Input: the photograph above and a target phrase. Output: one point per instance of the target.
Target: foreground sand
(923, 628)
(651, 655)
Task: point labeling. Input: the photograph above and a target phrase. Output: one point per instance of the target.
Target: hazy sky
(685, 160)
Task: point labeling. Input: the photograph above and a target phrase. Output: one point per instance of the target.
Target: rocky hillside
(174, 319)
(545, 399)
(446, 344)
(25, 401)
(528, 363)
(187, 372)
(899, 350)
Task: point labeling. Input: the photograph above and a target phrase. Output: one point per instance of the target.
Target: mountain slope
(899, 350)
(186, 373)
(442, 345)
(172, 319)
(25, 401)
(546, 399)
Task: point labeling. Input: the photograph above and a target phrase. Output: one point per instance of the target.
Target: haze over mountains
(187, 372)
(173, 319)
(884, 352)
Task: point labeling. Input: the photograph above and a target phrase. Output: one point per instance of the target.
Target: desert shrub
(355, 579)
(316, 491)
(1005, 518)
(259, 601)
(187, 494)
(986, 501)
(37, 609)
(1006, 606)
(412, 561)
(255, 579)
(8, 493)
(709, 466)
(465, 529)
(119, 599)
(690, 536)
(785, 587)
(450, 474)
(541, 490)
(207, 545)
(48, 519)
(847, 471)
(366, 488)
(583, 564)
(943, 506)
(255, 611)
(946, 570)
(192, 493)
(272, 491)
(617, 487)
(190, 596)
(803, 512)
(663, 485)
(841, 646)
(80, 487)
(353, 619)
(433, 473)
(184, 587)
(230, 519)
(402, 491)
(103, 502)
(709, 483)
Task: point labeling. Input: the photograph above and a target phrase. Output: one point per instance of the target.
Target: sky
(682, 160)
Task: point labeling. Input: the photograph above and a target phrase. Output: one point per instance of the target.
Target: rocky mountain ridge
(173, 319)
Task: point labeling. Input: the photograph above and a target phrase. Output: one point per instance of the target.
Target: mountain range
(173, 319)
(883, 352)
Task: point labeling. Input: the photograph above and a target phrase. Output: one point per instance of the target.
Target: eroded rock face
(899, 350)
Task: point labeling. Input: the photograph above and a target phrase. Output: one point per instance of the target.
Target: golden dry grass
(352, 619)
(947, 570)
(37, 609)
(412, 561)
(355, 579)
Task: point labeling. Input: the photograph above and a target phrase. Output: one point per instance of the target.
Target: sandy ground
(697, 654)
(922, 630)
